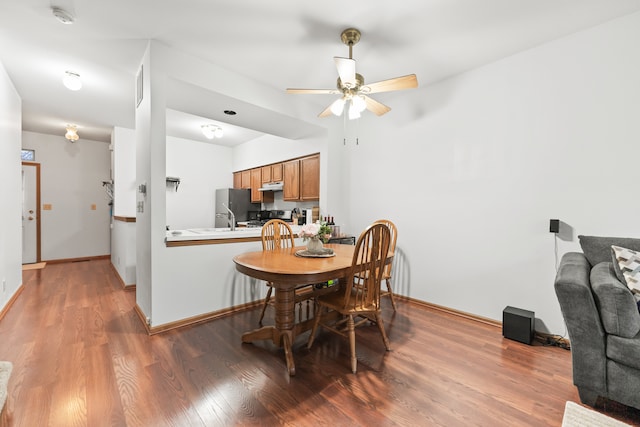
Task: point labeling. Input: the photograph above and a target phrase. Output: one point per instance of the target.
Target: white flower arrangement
(315, 230)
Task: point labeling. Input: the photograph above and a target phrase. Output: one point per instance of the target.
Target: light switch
(46, 207)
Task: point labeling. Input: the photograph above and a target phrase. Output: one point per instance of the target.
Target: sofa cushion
(598, 249)
(624, 350)
(617, 305)
(626, 264)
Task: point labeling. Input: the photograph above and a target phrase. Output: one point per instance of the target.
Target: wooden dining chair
(386, 275)
(359, 301)
(277, 235)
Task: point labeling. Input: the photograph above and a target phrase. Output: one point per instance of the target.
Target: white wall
(71, 182)
(202, 168)
(123, 233)
(473, 174)
(11, 190)
(124, 171)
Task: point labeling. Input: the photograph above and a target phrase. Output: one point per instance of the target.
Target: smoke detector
(62, 15)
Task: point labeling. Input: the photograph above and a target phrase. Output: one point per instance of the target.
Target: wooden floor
(81, 358)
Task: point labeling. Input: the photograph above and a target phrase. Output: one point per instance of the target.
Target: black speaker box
(518, 324)
(554, 225)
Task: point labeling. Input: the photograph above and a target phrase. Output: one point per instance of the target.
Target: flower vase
(314, 245)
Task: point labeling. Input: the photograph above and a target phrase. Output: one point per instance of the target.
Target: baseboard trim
(80, 259)
(11, 301)
(142, 317)
(153, 330)
(124, 285)
(206, 317)
(474, 317)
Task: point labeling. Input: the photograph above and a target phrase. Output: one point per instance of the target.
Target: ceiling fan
(352, 87)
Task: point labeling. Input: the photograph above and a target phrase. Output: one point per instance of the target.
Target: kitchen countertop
(201, 234)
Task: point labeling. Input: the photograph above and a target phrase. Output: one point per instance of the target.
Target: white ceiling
(284, 43)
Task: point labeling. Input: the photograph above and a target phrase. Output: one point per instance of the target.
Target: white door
(29, 214)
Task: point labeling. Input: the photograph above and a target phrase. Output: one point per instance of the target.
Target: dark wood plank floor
(82, 358)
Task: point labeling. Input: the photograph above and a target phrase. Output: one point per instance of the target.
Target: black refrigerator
(238, 200)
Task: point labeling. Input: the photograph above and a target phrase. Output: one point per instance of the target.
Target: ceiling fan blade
(326, 112)
(346, 70)
(314, 91)
(376, 107)
(398, 83)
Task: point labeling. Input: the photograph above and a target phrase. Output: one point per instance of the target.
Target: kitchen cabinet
(245, 180)
(276, 172)
(266, 174)
(256, 183)
(272, 173)
(302, 179)
(310, 178)
(237, 180)
(291, 180)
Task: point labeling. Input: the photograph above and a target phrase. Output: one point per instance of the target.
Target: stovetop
(260, 218)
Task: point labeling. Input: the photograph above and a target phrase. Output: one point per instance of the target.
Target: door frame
(38, 216)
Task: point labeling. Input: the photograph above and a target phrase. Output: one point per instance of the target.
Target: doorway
(30, 213)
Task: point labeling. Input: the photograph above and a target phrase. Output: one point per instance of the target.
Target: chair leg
(352, 343)
(393, 302)
(382, 331)
(266, 303)
(316, 322)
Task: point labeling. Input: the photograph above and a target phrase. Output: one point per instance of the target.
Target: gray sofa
(603, 322)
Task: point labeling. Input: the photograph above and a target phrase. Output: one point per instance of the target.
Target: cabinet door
(291, 180)
(276, 172)
(246, 179)
(266, 174)
(310, 178)
(237, 180)
(256, 183)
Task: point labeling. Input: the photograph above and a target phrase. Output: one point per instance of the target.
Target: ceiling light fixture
(72, 133)
(72, 80)
(62, 15)
(212, 131)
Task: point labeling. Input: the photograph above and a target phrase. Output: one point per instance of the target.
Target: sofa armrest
(581, 316)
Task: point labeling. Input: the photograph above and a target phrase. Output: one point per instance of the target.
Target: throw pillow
(598, 249)
(627, 266)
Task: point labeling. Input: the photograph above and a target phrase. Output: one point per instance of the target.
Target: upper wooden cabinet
(256, 183)
(291, 180)
(310, 178)
(302, 179)
(266, 173)
(237, 180)
(272, 173)
(245, 179)
(276, 172)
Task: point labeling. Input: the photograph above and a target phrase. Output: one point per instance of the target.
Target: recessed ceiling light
(62, 15)
(230, 112)
(72, 80)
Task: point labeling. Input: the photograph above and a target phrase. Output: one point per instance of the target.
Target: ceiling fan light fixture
(72, 133)
(353, 112)
(358, 103)
(338, 106)
(72, 80)
(212, 131)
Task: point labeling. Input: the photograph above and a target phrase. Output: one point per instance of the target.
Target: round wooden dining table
(286, 271)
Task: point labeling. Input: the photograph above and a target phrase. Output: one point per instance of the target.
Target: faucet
(231, 221)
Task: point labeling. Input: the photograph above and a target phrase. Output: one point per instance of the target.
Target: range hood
(271, 186)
